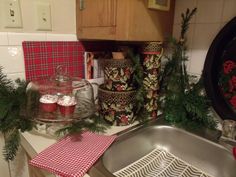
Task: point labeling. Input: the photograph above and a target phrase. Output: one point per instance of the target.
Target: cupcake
(67, 105)
(48, 103)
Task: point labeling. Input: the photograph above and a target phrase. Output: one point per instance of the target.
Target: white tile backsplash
(18, 38)
(3, 38)
(188, 62)
(211, 16)
(197, 61)
(61, 37)
(209, 11)
(204, 34)
(11, 52)
(12, 59)
(229, 10)
(14, 76)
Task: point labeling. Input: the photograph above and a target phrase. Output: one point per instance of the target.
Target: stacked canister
(151, 55)
(117, 95)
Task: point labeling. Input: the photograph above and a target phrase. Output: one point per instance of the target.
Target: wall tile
(181, 6)
(197, 61)
(12, 59)
(209, 11)
(18, 38)
(14, 76)
(229, 10)
(204, 35)
(188, 62)
(3, 38)
(61, 37)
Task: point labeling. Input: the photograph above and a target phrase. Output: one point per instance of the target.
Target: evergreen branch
(185, 22)
(138, 78)
(5, 83)
(183, 103)
(12, 144)
(95, 124)
(13, 113)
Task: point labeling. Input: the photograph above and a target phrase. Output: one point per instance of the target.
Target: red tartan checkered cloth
(73, 158)
(42, 58)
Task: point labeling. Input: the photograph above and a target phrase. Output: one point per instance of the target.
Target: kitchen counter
(33, 143)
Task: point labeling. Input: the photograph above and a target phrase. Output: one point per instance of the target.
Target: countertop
(34, 143)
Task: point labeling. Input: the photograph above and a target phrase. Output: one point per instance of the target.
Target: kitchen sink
(184, 153)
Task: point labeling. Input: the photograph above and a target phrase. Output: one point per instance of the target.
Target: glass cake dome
(60, 98)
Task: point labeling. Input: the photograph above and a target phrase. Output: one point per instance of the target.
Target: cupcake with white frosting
(48, 103)
(67, 105)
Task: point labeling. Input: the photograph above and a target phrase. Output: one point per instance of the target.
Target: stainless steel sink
(198, 151)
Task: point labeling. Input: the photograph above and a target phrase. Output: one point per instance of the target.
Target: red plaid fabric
(42, 58)
(73, 158)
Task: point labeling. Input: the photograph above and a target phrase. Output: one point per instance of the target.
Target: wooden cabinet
(122, 20)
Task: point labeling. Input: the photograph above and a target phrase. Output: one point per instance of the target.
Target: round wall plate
(222, 50)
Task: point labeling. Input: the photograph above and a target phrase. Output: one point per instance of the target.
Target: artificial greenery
(184, 102)
(94, 124)
(138, 77)
(13, 117)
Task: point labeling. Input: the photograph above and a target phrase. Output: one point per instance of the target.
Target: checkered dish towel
(71, 157)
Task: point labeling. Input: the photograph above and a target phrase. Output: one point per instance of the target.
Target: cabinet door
(96, 18)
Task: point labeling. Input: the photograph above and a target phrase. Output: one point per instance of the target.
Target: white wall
(211, 16)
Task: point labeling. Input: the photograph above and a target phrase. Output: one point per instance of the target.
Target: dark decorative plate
(220, 72)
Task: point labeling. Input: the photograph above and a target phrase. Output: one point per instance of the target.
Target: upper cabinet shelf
(122, 20)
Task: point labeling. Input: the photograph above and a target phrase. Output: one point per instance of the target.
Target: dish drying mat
(160, 163)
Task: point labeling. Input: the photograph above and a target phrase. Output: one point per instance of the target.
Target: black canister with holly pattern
(151, 55)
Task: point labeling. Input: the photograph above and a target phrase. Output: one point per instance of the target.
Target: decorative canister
(118, 74)
(117, 108)
(151, 55)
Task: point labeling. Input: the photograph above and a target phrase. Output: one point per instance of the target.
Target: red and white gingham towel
(72, 157)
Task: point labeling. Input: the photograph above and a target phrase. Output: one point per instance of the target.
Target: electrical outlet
(43, 16)
(12, 14)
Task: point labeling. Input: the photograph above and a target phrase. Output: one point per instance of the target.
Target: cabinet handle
(81, 5)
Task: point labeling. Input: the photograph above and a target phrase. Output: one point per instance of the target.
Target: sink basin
(199, 153)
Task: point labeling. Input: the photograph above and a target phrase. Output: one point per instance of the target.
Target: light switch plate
(12, 14)
(43, 16)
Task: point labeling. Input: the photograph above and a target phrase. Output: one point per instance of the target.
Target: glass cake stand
(48, 123)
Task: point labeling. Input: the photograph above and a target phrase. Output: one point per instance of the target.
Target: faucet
(228, 136)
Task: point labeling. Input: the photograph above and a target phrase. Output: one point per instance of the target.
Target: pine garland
(183, 103)
(13, 118)
(141, 113)
(94, 123)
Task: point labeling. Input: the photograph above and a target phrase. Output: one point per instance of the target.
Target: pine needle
(12, 144)
(183, 103)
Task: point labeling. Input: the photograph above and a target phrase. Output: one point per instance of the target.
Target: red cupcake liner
(48, 107)
(67, 110)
